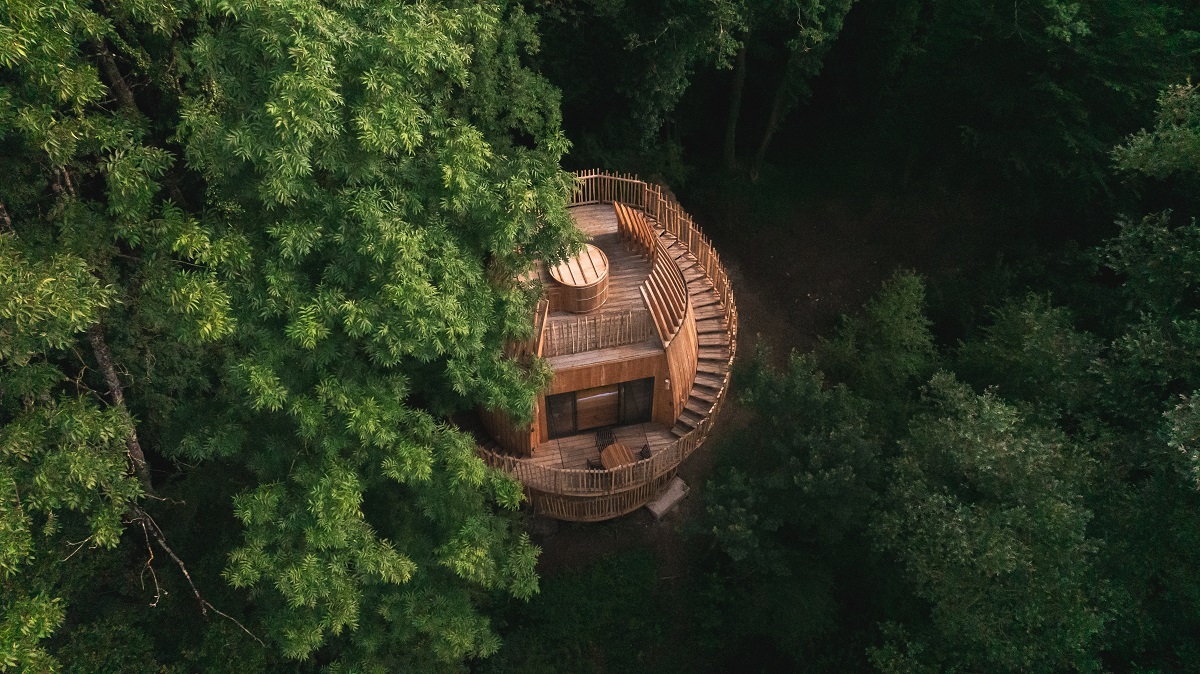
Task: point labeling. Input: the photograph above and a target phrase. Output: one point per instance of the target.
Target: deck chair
(604, 438)
(594, 464)
(644, 453)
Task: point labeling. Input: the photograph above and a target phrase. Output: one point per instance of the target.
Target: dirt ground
(795, 268)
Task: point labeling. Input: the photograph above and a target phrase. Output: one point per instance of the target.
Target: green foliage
(812, 473)
(297, 225)
(1033, 354)
(885, 351)
(1154, 357)
(985, 514)
(1042, 89)
(59, 451)
(612, 616)
(1174, 144)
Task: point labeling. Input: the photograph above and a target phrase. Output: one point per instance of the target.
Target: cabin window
(560, 415)
(625, 403)
(596, 407)
(636, 398)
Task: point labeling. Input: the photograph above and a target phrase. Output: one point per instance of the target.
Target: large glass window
(636, 399)
(560, 414)
(596, 407)
(629, 402)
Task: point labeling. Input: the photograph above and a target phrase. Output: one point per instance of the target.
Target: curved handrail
(665, 289)
(665, 292)
(596, 187)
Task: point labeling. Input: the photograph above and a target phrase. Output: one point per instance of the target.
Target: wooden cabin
(640, 329)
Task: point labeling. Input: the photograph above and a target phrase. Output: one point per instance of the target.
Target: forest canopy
(258, 262)
(248, 253)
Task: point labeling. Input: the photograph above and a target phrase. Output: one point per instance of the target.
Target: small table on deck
(616, 455)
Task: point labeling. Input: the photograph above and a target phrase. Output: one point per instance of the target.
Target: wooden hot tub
(583, 280)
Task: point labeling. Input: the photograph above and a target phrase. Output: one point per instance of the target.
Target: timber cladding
(682, 357)
(518, 440)
(596, 376)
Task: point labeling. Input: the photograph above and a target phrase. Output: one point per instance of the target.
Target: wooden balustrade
(627, 487)
(597, 331)
(632, 226)
(535, 345)
(666, 294)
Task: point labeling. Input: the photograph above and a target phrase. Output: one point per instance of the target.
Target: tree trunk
(117, 396)
(124, 94)
(783, 100)
(735, 107)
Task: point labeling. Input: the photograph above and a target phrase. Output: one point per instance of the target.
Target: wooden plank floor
(626, 269)
(574, 451)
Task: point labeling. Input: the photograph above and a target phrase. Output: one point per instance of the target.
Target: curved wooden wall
(682, 354)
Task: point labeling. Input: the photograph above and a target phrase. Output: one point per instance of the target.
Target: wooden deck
(626, 269)
(574, 451)
(598, 356)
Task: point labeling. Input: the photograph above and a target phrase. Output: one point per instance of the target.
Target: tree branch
(117, 395)
(148, 524)
(735, 106)
(124, 94)
(5, 221)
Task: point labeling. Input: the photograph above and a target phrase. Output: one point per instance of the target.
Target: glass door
(636, 399)
(595, 407)
(560, 415)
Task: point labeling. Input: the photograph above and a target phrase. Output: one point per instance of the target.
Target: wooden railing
(596, 187)
(595, 508)
(665, 292)
(665, 289)
(632, 227)
(535, 345)
(597, 331)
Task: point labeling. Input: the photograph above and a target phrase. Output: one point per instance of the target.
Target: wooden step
(704, 393)
(701, 300)
(711, 326)
(714, 353)
(691, 418)
(713, 338)
(709, 380)
(698, 407)
(711, 367)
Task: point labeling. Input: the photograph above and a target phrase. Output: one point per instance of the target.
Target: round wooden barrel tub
(583, 280)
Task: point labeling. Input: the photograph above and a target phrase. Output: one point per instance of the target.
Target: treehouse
(640, 330)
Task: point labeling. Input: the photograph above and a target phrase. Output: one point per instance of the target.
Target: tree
(986, 516)
(302, 223)
(884, 352)
(810, 29)
(624, 68)
(1174, 144)
(1041, 89)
